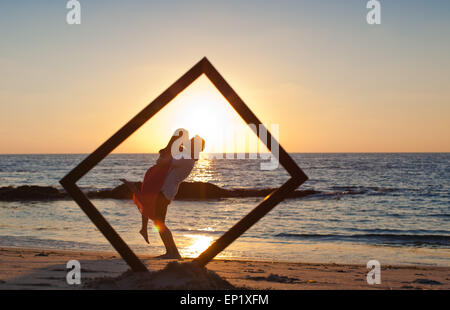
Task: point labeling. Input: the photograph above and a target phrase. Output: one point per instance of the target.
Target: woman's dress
(153, 181)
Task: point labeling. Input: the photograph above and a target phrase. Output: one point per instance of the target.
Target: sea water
(391, 207)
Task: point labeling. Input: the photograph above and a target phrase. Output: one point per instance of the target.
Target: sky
(317, 69)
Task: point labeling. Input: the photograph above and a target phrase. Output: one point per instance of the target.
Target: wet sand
(24, 268)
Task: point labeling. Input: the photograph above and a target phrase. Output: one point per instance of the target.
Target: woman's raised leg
(144, 229)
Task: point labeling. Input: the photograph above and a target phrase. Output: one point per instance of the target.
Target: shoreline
(34, 268)
(51, 249)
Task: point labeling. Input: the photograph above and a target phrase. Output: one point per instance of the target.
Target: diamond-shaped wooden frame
(202, 67)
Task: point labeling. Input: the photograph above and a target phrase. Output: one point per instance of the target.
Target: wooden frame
(202, 67)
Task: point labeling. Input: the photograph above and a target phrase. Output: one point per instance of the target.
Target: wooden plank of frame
(202, 67)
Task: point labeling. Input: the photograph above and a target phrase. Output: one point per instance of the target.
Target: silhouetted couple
(161, 182)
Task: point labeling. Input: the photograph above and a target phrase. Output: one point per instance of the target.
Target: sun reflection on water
(198, 244)
(203, 171)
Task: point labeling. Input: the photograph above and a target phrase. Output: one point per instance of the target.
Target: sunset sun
(203, 111)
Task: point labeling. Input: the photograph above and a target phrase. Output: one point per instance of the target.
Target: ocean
(394, 208)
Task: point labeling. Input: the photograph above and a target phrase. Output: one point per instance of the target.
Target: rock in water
(27, 192)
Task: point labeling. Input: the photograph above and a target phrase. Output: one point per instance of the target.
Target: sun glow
(203, 111)
(198, 245)
(203, 171)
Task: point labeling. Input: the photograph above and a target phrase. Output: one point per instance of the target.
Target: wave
(200, 231)
(370, 190)
(382, 238)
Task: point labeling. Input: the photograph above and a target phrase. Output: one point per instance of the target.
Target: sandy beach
(25, 268)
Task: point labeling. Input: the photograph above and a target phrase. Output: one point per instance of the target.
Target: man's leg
(169, 243)
(166, 235)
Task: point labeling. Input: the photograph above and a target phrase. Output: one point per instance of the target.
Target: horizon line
(339, 152)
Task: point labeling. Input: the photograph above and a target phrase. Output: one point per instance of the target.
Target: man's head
(197, 146)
